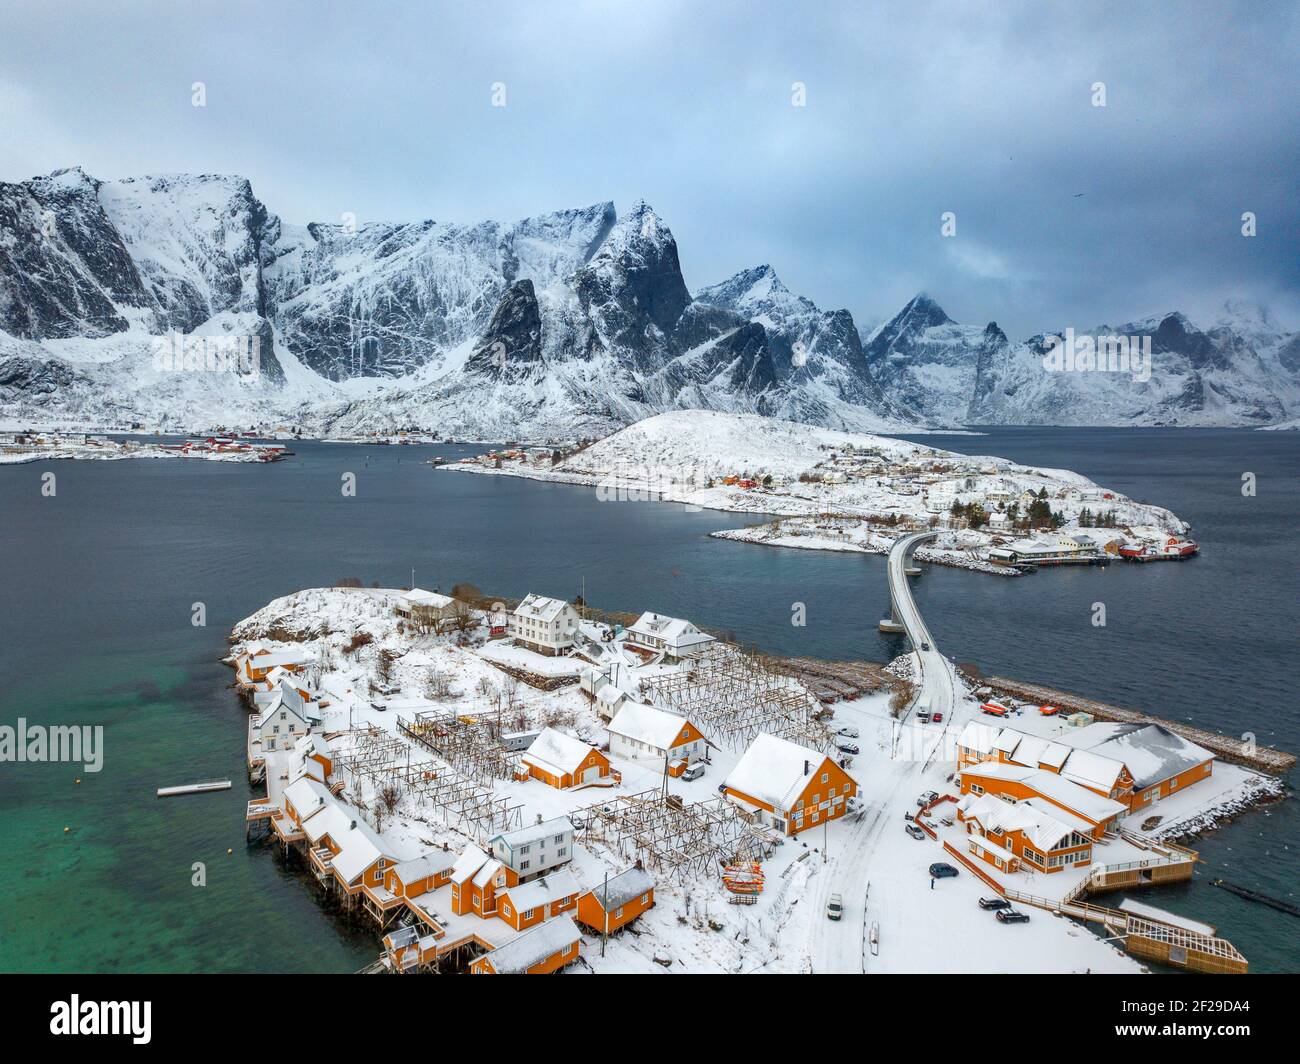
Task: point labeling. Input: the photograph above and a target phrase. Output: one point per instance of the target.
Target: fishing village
(530, 786)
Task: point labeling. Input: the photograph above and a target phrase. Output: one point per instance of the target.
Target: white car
(847, 731)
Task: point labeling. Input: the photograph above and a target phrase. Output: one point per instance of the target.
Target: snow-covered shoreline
(838, 491)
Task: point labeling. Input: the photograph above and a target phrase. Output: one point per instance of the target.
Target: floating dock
(202, 787)
(1260, 758)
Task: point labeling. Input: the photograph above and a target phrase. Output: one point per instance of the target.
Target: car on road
(847, 748)
(380, 706)
(994, 903)
(942, 870)
(925, 645)
(1011, 916)
(915, 831)
(937, 718)
(923, 715)
(848, 732)
(834, 907)
(693, 772)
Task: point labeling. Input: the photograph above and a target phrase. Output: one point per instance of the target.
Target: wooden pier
(1262, 758)
(202, 787)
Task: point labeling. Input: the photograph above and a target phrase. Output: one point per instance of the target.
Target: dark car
(847, 748)
(925, 645)
(1011, 916)
(915, 831)
(942, 870)
(994, 903)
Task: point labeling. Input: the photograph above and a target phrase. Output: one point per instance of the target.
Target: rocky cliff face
(573, 321)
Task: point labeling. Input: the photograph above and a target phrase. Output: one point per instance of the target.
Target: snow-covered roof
(544, 890)
(301, 656)
(467, 862)
(648, 724)
(1069, 794)
(559, 825)
(1038, 825)
(553, 750)
(1092, 769)
(535, 945)
(307, 796)
(359, 844)
(487, 873)
(1151, 752)
(775, 770)
(539, 607)
(622, 888)
(674, 631)
(978, 736)
(417, 596)
(427, 864)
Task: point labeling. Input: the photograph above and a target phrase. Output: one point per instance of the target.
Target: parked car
(914, 831)
(994, 903)
(927, 798)
(381, 706)
(693, 772)
(942, 870)
(923, 716)
(848, 732)
(834, 907)
(847, 748)
(387, 689)
(937, 718)
(1011, 916)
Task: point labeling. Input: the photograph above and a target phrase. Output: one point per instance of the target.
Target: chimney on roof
(539, 818)
(353, 827)
(806, 768)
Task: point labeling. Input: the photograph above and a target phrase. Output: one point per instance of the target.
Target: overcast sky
(1067, 213)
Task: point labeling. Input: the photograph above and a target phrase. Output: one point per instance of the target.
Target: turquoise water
(95, 629)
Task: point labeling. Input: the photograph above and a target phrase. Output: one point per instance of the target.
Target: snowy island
(520, 787)
(832, 490)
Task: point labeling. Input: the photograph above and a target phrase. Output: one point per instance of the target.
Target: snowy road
(888, 787)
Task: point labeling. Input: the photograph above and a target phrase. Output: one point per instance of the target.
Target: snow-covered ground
(832, 490)
(880, 871)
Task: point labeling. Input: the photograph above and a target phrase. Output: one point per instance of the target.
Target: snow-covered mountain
(1242, 370)
(575, 322)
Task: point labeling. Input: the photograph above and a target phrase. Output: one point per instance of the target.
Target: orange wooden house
(616, 904)
(546, 948)
(1095, 812)
(562, 761)
(526, 904)
(1031, 833)
(787, 786)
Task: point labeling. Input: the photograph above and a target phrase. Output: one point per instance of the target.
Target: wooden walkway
(1262, 758)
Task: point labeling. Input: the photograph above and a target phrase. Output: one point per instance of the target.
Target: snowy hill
(574, 322)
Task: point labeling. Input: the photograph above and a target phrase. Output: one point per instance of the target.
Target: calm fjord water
(98, 584)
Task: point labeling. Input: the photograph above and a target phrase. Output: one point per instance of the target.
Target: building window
(562, 851)
(523, 865)
(529, 914)
(826, 777)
